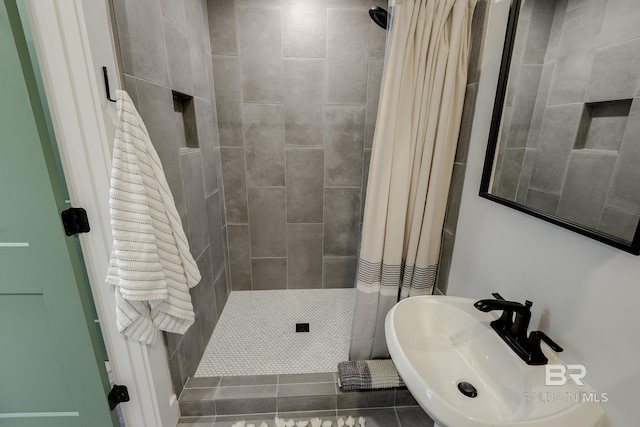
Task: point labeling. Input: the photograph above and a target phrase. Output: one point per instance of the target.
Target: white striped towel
(151, 265)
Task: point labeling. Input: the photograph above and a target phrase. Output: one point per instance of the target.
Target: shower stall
(263, 113)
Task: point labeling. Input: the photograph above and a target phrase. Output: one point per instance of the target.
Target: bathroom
(254, 172)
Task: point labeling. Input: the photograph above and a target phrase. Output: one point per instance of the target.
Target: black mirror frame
(631, 247)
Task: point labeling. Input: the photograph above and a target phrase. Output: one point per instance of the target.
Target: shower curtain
(411, 161)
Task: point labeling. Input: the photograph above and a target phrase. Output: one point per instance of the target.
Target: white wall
(586, 295)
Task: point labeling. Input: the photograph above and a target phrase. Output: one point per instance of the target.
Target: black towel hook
(106, 84)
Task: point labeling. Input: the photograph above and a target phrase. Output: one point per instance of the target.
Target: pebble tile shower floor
(256, 333)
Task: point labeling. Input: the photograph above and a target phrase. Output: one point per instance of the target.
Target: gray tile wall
(297, 86)
(165, 47)
(579, 127)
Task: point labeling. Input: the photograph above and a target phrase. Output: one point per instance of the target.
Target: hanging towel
(151, 265)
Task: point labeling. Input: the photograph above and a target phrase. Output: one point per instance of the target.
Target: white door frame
(73, 40)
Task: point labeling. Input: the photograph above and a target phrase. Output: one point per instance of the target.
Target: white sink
(436, 342)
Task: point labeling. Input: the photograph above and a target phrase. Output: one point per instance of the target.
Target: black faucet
(514, 331)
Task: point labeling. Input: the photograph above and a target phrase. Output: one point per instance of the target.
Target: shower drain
(467, 389)
(302, 327)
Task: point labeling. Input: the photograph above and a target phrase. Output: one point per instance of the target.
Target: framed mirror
(564, 144)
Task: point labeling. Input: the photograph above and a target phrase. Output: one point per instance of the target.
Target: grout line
(303, 147)
(397, 416)
(346, 187)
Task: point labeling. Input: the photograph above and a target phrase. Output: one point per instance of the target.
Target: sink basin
(437, 342)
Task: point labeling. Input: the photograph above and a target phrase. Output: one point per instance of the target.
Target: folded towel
(368, 375)
(151, 266)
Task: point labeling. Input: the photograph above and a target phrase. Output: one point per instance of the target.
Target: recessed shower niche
(602, 125)
(184, 106)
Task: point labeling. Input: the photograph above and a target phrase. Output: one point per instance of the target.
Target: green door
(51, 373)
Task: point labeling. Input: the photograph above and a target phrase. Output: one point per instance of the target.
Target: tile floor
(255, 334)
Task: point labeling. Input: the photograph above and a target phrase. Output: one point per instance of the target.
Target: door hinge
(75, 221)
(118, 394)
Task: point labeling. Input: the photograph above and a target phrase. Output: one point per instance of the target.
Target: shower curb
(260, 394)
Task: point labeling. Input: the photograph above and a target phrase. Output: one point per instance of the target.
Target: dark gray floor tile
(197, 421)
(197, 408)
(257, 419)
(413, 417)
(404, 398)
(249, 380)
(324, 377)
(246, 392)
(246, 399)
(246, 406)
(197, 394)
(385, 417)
(205, 382)
(366, 399)
(306, 403)
(307, 416)
(310, 389)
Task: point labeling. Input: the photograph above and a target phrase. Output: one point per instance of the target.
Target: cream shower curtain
(411, 161)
